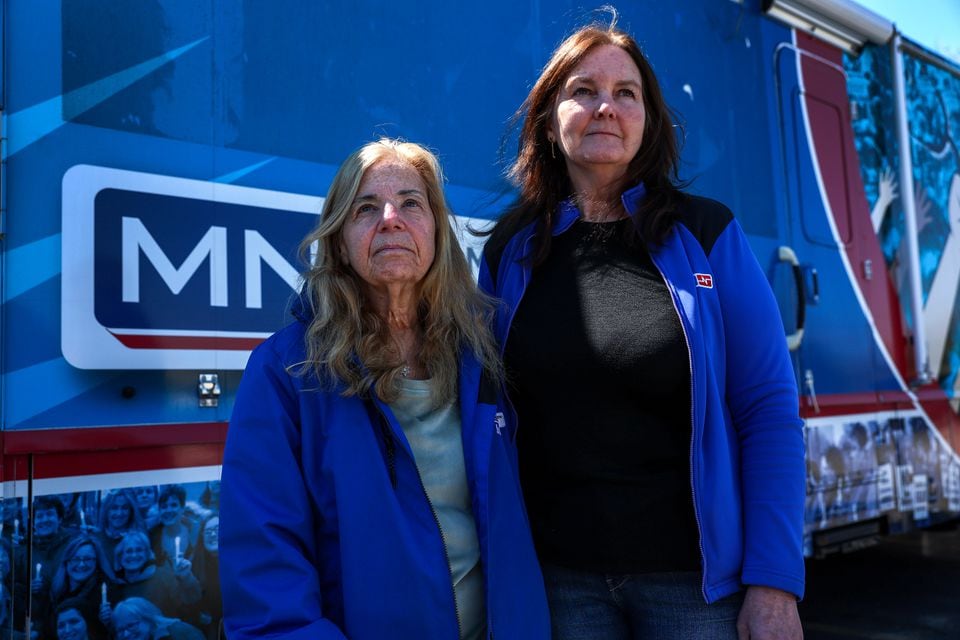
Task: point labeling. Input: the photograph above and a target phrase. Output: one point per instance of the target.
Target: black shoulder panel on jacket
(492, 257)
(706, 219)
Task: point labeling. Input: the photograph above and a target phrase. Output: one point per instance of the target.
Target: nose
(391, 217)
(605, 109)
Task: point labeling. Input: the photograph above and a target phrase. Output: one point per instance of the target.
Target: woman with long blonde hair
(368, 485)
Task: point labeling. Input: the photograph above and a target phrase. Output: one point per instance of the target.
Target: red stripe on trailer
(79, 439)
(213, 343)
(932, 399)
(82, 451)
(87, 463)
(937, 407)
(58, 465)
(838, 404)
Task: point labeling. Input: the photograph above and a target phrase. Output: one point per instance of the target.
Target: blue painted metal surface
(237, 102)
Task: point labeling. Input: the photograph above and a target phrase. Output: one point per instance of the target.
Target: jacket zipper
(693, 426)
(506, 335)
(443, 538)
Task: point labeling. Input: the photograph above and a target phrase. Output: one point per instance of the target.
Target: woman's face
(388, 237)
(82, 563)
(146, 496)
(71, 625)
(170, 510)
(211, 535)
(119, 513)
(134, 555)
(599, 116)
(130, 626)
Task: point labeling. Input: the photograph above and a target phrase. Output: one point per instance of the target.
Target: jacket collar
(633, 197)
(569, 213)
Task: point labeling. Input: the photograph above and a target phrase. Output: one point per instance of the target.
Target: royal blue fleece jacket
(747, 452)
(326, 530)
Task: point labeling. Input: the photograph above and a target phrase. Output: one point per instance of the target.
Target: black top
(599, 374)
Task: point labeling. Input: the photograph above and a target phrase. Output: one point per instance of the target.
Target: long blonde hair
(346, 341)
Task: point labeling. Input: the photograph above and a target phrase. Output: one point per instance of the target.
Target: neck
(408, 343)
(598, 196)
(397, 306)
(600, 210)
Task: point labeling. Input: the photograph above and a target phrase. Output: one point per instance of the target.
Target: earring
(553, 149)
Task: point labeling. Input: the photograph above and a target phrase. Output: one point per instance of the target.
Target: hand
(36, 585)
(182, 566)
(769, 614)
(887, 187)
(886, 194)
(105, 614)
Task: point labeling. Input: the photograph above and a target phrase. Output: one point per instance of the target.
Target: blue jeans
(646, 606)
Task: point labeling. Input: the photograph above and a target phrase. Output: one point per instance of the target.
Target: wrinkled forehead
(606, 61)
(393, 169)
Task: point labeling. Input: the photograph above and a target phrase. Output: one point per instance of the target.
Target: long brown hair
(346, 341)
(543, 179)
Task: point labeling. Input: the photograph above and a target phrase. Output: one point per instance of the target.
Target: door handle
(786, 254)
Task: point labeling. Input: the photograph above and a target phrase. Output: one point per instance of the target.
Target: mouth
(392, 248)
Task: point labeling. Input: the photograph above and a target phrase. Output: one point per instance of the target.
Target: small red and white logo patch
(704, 280)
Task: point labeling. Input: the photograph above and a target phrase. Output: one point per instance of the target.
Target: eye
(365, 209)
(628, 93)
(412, 203)
(582, 91)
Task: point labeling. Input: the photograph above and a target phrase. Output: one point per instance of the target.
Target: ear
(550, 137)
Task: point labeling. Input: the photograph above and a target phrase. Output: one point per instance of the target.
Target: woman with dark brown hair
(660, 449)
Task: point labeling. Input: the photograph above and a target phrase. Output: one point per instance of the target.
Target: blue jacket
(747, 455)
(326, 530)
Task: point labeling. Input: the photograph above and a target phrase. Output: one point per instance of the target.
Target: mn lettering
(212, 249)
